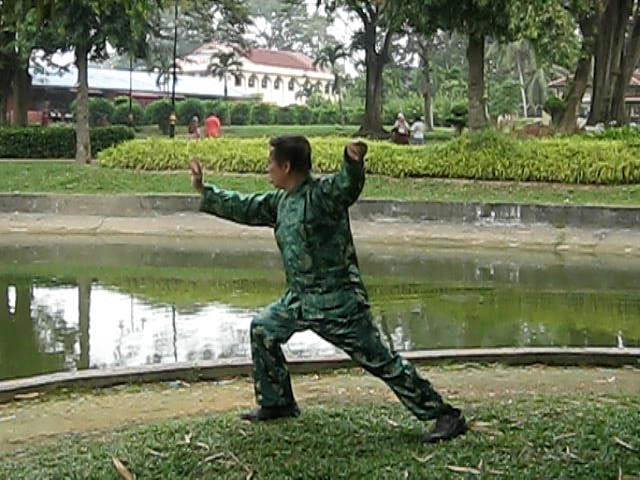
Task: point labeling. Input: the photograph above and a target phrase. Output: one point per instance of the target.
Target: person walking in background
(194, 128)
(417, 131)
(212, 126)
(400, 130)
(325, 292)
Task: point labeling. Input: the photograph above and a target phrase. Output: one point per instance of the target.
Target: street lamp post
(172, 117)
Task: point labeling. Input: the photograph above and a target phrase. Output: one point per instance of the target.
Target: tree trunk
(576, 89)
(523, 91)
(475, 60)
(21, 90)
(427, 85)
(629, 61)
(7, 66)
(608, 56)
(83, 142)
(84, 307)
(372, 118)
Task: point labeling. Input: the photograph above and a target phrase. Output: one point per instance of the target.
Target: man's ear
(286, 166)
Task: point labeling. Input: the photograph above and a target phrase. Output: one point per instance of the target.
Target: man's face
(277, 173)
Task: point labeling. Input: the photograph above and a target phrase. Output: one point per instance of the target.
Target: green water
(91, 303)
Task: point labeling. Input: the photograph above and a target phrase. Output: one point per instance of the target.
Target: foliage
(458, 117)
(121, 113)
(46, 177)
(101, 111)
(241, 113)
(303, 114)
(286, 116)
(486, 155)
(187, 109)
(554, 106)
(157, 112)
(56, 142)
(263, 114)
(504, 98)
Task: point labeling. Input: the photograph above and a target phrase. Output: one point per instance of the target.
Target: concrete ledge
(610, 357)
(454, 212)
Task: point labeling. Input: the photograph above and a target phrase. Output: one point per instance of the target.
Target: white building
(275, 76)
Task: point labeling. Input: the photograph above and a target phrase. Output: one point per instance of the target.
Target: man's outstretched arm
(254, 209)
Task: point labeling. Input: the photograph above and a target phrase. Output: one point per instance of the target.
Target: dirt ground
(50, 415)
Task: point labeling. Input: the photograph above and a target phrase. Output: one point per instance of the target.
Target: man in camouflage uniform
(325, 291)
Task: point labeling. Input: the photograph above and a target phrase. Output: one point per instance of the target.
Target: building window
(292, 84)
(276, 84)
(265, 82)
(238, 80)
(252, 81)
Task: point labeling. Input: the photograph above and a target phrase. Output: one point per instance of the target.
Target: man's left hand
(356, 150)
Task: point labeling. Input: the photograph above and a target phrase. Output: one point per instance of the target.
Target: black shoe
(449, 424)
(262, 414)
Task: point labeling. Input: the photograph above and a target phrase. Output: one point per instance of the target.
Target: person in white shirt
(417, 131)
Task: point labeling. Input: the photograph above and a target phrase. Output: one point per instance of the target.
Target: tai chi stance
(324, 290)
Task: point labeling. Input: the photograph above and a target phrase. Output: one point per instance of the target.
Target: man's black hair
(294, 149)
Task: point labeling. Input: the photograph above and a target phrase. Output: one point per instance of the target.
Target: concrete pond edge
(499, 213)
(220, 369)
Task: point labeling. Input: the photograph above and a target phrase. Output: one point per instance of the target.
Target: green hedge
(56, 142)
(486, 155)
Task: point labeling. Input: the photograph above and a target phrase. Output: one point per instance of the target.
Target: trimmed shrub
(263, 114)
(105, 137)
(157, 112)
(121, 113)
(327, 115)
(554, 106)
(486, 155)
(186, 109)
(241, 113)
(286, 116)
(304, 114)
(353, 116)
(222, 109)
(56, 142)
(100, 111)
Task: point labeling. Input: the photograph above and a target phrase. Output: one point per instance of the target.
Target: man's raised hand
(356, 150)
(196, 175)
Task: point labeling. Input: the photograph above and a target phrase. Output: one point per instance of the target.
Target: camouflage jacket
(312, 230)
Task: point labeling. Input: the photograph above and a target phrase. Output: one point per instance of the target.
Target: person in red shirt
(212, 126)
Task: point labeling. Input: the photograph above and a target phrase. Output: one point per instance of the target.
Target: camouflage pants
(348, 325)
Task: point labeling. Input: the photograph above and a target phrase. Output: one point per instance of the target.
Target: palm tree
(222, 64)
(328, 57)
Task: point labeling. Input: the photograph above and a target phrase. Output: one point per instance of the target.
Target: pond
(78, 303)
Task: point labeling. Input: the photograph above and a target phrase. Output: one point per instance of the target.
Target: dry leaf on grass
(155, 453)
(626, 445)
(565, 435)
(122, 470)
(457, 469)
(424, 459)
(484, 428)
(26, 396)
(622, 476)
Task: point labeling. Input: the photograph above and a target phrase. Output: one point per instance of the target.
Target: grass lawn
(60, 177)
(533, 437)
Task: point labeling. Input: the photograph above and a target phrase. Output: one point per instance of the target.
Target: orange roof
(280, 58)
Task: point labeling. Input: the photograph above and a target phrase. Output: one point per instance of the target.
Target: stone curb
(559, 216)
(215, 370)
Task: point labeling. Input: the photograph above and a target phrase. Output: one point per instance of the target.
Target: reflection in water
(150, 310)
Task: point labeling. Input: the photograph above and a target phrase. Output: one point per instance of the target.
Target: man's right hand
(196, 175)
